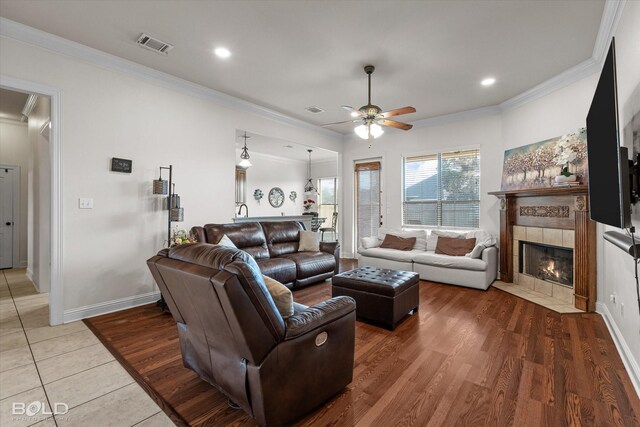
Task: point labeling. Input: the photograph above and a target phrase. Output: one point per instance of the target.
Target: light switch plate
(85, 203)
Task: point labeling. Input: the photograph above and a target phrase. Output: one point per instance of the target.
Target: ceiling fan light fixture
(366, 131)
(362, 131)
(376, 130)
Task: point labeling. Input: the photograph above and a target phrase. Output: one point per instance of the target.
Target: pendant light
(244, 155)
(309, 188)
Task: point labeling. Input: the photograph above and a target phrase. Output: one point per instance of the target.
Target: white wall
(616, 270)
(393, 146)
(39, 196)
(106, 113)
(15, 151)
(267, 172)
(324, 169)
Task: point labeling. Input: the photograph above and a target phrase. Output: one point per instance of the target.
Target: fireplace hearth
(546, 262)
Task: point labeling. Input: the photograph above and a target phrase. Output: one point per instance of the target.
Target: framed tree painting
(536, 165)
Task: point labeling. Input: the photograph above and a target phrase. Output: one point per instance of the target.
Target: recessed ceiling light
(488, 81)
(222, 52)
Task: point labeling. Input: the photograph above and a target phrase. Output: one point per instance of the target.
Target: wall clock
(276, 197)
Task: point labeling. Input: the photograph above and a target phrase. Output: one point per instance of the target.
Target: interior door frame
(15, 256)
(56, 295)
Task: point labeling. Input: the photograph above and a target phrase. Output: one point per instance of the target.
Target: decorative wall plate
(276, 197)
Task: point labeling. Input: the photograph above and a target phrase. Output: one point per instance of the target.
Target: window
(442, 189)
(328, 201)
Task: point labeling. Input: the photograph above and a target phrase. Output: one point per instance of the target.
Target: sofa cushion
(281, 269)
(420, 235)
(370, 242)
(456, 262)
(247, 236)
(282, 296)
(309, 241)
(226, 241)
(399, 243)
(309, 264)
(454, 247)
(391, 254)
(282, 237)
(432, 240)
(476, 252)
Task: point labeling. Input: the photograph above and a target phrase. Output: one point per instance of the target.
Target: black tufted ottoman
(382, 295)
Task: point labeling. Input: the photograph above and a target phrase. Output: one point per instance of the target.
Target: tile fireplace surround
(557, 217)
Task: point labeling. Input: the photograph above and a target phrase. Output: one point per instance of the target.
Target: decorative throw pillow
(309, 241)
(282, 296)
(396, 242)
(226, 241)
(454, 247)
(432, 241)
(369, 242)
(420, 235)
(477, 251)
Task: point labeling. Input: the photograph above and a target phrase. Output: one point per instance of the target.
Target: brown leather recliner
(233, 337)
(274, 246)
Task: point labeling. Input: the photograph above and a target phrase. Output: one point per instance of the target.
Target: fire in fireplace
(546, 262)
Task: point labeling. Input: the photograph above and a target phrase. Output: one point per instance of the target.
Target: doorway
(368, 209)
(39, 211)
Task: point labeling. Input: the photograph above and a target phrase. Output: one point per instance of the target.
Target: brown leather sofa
(274, 246)
(233, 337)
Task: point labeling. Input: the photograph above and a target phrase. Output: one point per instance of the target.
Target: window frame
(439, 202)
(335, 192)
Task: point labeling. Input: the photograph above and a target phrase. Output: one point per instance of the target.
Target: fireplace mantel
(565, 208)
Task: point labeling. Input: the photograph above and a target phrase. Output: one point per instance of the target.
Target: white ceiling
(281, 148)
(289, 55)
(11, 104)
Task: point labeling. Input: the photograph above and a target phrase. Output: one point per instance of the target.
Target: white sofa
(466, 271)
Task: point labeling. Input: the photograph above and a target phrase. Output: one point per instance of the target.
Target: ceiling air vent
(315, 110)
(154, 44)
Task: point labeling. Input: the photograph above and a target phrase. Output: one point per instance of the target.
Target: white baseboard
(23, 264)
(109, 306)
(630, 363)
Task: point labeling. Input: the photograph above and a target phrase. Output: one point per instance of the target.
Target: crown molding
(457, 117)
(608, 24)
(53, 43)
(14, 122)
(566, 78)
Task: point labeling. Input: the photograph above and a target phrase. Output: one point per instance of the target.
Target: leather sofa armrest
(318, 315)
(199, 233)
(332, 248)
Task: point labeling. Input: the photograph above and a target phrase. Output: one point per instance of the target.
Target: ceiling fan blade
(398, 112)
(341, 123)
(394, 124)
(352, 110)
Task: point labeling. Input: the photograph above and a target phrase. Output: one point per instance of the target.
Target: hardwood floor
(468, 357)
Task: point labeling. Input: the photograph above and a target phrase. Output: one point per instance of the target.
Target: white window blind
(442, 189)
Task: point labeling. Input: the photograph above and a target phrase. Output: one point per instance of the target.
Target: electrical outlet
(612, 298)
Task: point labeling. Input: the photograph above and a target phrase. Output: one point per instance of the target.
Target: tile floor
(535, 297)
(41, 365)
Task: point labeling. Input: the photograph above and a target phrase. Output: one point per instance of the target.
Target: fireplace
(545, 262)
(552, 226)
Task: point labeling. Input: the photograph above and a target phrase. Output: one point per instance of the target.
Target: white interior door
(6, 217)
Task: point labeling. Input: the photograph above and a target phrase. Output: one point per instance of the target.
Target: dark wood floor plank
(467, 357)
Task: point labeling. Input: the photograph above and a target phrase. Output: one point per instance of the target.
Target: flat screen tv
(608, 162)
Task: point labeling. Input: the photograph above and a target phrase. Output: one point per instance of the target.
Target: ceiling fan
(372, 118)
